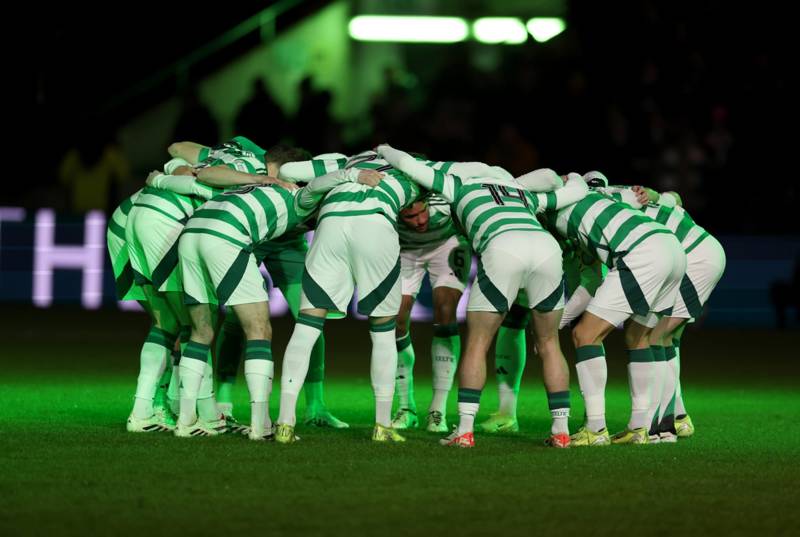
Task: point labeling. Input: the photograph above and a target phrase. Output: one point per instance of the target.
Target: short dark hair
(281, 154)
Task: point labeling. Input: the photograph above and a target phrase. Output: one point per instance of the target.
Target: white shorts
(215, 271)
(353, 251)
(127, 288)
(447, 263)
(705, 264)
(153, 248)
(643, 283)
(514, 261)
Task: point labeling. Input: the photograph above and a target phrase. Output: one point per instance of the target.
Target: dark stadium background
(695, 97)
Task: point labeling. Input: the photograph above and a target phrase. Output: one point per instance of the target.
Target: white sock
(295, 366)
(592, 377)
(466, 417)
(439, 401)
(225, 408)
(258, 374)
(659, 383)
(641, 377)
(445, 362)
(174, 388)
(405, 373)
(153, 360)
(680, 409)
(559, 403)
(191, 377)
(207, 409)
(383, 367)
(508, 399)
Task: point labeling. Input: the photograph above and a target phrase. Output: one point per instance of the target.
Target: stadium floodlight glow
(545, 28)
(408, 29)
(494, 30)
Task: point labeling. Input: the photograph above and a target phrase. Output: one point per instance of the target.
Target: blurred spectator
(260, 118)
(195, 122)
(94, 170)
(314, 127)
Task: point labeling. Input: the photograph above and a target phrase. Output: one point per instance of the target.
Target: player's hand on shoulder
(151, 177)
(369, 177)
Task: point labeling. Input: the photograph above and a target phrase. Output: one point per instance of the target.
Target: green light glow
(545, 28)
(494, 30)
(408, 29)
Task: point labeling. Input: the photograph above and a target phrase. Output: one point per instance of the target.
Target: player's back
(604, 227)
(677, 220)
(485, 208)
(249, 215)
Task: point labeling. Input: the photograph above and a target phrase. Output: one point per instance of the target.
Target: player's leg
(500, 276)
(194, 361)
(412, 272)
(481, 329)
(449, 267)
(229, 349)
(663, 421)
(509, 357)
(317, 412)
(374, 255)
(154, 357)
(590, 364)
(406, 416)
(259, 367)
(445, 353)
(326, 286)
(641, 381)
(544, 288)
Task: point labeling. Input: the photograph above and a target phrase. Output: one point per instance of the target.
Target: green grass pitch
(69, 467)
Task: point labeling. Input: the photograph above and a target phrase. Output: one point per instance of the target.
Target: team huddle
(188, 247)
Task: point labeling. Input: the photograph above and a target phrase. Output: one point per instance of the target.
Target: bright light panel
(545, 28)
(408, 29)
(494, 30)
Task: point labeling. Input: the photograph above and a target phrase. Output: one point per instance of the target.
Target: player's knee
(637, 338)
(581, 335)
(257, 330)
(203, 333)
(445, 313)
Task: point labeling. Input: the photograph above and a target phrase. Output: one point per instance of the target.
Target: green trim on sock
(670, 353)
(468, 395)
(640, 355)
(558, 400)
(196, 351)
(403, 342)
(258, 349)
(388, 326)
(312, 321)
(161, 337)
(445, 330)
(587, 352)
(659, 353)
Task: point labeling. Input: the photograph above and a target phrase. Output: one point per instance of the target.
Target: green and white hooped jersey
(248, 216)
(603, 227)
(239, 154)
(677, 220)
(119, 218)
(393, 193)
(440, 227)
(484, 207)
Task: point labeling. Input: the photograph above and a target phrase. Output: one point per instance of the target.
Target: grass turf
(70, 468)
